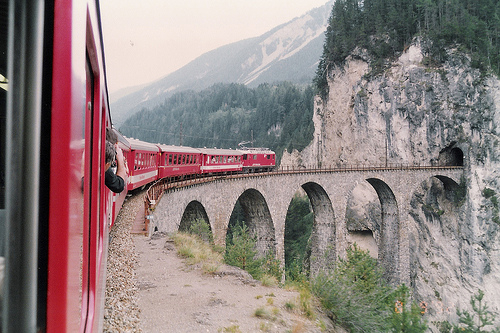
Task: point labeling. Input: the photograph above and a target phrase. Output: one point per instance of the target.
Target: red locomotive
(55, 210)
(258, 160)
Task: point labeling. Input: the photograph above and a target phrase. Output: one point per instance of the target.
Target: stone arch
(323, 235)
(194, 211)
(388, 251)
(434, 238)
(259, 221)
(451, 187)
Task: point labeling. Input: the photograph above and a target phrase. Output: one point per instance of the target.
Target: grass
(289, 306)
(268, 280)
(231, 329)
(196, 251)
(261, 313)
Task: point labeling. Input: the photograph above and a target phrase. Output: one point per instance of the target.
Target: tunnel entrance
(451, 156)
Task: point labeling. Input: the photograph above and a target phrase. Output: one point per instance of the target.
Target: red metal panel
(60, 307)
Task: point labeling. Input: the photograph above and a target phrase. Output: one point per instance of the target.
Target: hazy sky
(147, 39)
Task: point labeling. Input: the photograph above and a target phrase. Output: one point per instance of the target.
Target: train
(55, 210)
(149, 162)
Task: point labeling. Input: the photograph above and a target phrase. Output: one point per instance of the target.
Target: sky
(148, 39)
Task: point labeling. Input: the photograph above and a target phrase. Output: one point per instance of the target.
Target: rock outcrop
(412, 113)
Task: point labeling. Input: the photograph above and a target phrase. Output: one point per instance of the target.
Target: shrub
(480, 319)
(240, 252)
(197, 251)
(354, 294)
(201, 229)
(407, 316)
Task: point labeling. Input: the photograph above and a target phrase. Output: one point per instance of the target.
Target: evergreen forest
(384, 28)
(275, 116)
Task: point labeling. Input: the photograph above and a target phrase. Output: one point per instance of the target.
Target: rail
(159, 187)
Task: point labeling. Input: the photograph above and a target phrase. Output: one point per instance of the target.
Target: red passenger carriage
(178, 161)
(220, 161)
(142, 161)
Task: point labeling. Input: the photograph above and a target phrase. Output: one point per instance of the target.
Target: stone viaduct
(265, 199)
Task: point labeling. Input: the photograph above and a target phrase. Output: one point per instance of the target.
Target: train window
(225, 159)
(169, 159)
(254, 157)
(244, 157)
(268, 157)
(183, 159)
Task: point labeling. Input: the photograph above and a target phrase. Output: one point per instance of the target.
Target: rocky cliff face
(413, 113)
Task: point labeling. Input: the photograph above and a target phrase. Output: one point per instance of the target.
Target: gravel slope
(151, 289)
(122, 312)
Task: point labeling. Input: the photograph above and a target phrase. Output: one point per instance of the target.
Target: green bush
(240, 252)
(354, 294)
(358, 298)
(201, 229)
(479, 320)
(407, 316)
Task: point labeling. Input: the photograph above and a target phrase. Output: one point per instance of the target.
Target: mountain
(289, 52)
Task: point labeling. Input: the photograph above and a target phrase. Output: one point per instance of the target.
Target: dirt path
(175, 297)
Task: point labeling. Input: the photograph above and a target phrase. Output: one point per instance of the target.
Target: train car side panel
(69, 213)
(178, 161)
(220, 161)
(143, 163)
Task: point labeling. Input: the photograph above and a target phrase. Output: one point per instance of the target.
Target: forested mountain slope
(276, 116)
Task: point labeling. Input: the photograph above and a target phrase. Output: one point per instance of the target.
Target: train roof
(179, 149)
(121, 138)
(215, 151)
(256, 150)
(142, 145)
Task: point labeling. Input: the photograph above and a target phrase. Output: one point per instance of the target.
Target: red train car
(220, 161)
(142, 160)
(54, 206)
(258, 159)
(178, 161)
